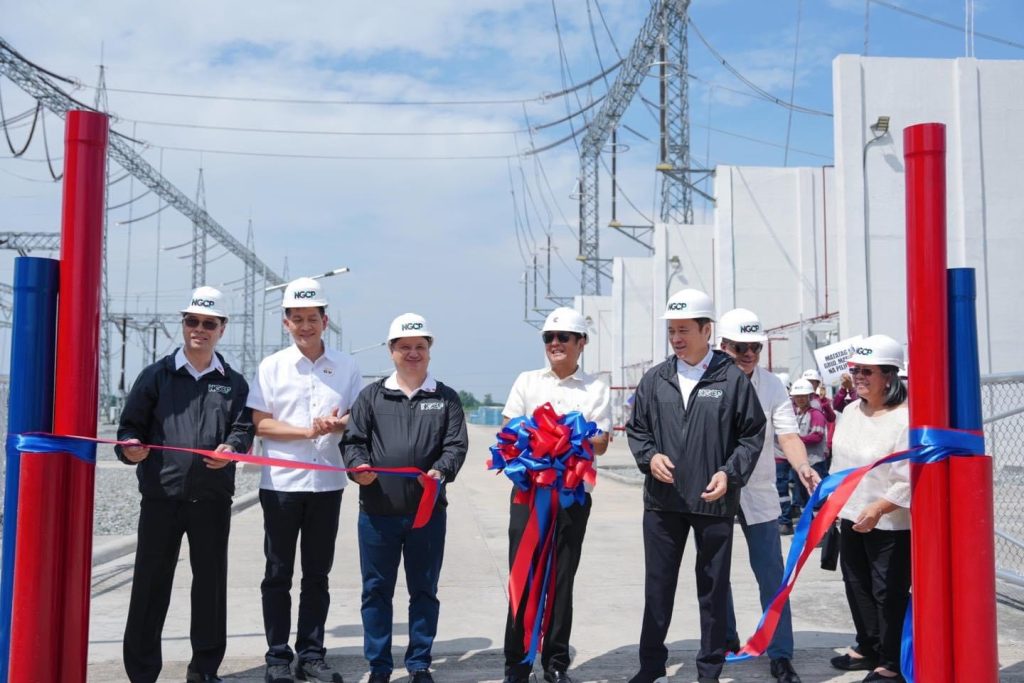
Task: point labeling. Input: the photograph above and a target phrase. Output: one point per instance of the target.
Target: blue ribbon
(44, 443)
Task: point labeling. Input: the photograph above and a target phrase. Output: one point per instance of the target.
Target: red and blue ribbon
(927, 445)
(550, 460)
(84, 448)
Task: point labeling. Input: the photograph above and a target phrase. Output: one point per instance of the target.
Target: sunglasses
(563, 337)
(743, 347)
(864, 372)
(191, 322)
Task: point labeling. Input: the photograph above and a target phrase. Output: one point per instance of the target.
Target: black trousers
(287, 516)
(162, 523)
(664, 541)
(876, 572)
(572, 527)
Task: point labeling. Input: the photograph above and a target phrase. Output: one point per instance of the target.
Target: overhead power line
(340, 133)
(947, 24)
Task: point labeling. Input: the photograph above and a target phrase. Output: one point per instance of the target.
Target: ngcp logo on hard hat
(205, 303)
(304, 294)
(411, 326)
(862, 351)
(751, 327)
(677, 306)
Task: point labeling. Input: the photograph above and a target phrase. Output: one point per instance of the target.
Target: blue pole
(30, 403)
(972, 561)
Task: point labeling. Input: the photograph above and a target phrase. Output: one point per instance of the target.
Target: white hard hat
(409, 325)
(304, 292)
(688, 304)
(740, 325)
(784, 378)
(878, 349)
(801, 387)
(811, 375)
(206, 301)
(565, 319)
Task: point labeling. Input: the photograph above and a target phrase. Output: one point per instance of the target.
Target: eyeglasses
(865, 372)
(743, 347)
(563, 337)
(191, 323)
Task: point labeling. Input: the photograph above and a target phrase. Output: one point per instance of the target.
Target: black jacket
(388, 429)
(721, 430)
(170, 407)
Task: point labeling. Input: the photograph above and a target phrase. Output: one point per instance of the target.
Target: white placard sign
(831, 359)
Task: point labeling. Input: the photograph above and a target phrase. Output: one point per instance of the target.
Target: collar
(429, 383)
(577, 375)
(181, 360)
(296, 356)
(703, 365)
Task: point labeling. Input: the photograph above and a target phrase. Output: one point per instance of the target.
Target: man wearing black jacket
(189, 399)
(407, 419)
(696, 431)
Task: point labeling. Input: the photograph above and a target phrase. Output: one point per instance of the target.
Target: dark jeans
(664, 540)
(571, 528)
(286, 516)
(384, 542)
(876, 571)
(783, 472)
(765, 551)
(162, 523)
(800, 495)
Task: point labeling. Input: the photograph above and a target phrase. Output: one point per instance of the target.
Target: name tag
(219, 389)
(709, 393)
(431, 405)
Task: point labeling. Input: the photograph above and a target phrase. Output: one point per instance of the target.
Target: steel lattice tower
(676, 197)
(199, 237)
(249, 305)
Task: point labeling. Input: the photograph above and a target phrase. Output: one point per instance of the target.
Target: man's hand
(661, 468)
(433, 474)
(809, 477)
(134, 454)
(218, 463)
(365, 478)
(717, 487)
(846, 381)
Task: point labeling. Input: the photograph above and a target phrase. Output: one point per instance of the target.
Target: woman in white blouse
(875, 522)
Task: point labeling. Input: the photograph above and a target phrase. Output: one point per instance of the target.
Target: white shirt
(861, 440)
(429, 384)
(580, 392)
(759, 499)
(182, 361)
(293, 389)
(689, 375)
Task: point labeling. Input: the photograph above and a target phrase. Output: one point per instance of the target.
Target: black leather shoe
(379, 677)
(644, 677)
(509, 678)
(705, 679)
(196, 677)
(421, 676)
(847, 663)
(783, 671)
(875, 677)
(732, 645)
(557, 676)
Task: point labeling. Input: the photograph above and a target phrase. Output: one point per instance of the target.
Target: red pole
(924, 152)
(52, 601)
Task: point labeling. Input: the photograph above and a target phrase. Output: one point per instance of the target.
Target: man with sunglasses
(189, 399)
(742, 336)
(567, 388)
(300, 400)
(697, 431)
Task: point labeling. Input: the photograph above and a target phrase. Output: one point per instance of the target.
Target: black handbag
(830, 549)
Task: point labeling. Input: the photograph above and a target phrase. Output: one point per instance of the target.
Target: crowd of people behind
(719, 439)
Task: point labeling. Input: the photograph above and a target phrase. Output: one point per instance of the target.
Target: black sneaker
(421, 676)
(193, 676)
(278, 673)
(317, 670)
(379, 677)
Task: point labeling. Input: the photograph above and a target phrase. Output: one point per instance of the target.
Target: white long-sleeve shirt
(861, 440)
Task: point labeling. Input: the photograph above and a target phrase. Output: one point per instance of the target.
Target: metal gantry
(24, 242)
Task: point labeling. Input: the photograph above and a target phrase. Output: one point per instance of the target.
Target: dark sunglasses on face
(563, 337)
(743, 347)
(191, 322)
(866, 372)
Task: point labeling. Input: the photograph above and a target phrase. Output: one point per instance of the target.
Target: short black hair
(896, 393)
(701, 322)
(391, 342)
(322, 309)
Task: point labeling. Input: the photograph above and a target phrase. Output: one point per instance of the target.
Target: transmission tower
(249, 306)
(103, 105)
(199, 237)
(662, 37)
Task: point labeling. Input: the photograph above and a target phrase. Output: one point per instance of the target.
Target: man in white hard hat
(696, 431)
(300, 400)
(742, 336)
(190, 399)
(406, 420)
(818, 398)
(567, 388)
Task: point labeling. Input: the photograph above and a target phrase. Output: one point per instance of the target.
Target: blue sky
(431, 236)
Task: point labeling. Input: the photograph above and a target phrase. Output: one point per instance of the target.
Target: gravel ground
(117, 493)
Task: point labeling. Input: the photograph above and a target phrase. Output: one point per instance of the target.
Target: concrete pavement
(609, 597)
